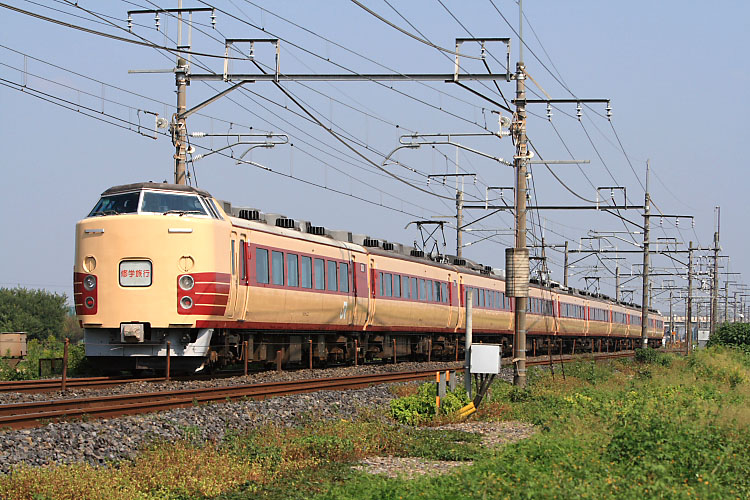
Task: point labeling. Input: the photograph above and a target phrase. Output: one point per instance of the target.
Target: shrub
(732, 334)
(652, 356)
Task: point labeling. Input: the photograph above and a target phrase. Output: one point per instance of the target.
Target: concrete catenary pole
(468, 341)
(179, 126)
(565, 267)
(715, 282)
(521, 251)
(459, 221)
(644, 298)
(689, 312)
(671, 318)
(617, 281)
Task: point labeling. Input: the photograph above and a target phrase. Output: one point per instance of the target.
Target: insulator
(677, 223)
(156, 18)
(252, 50)
(693, 221)
(483, 51)
(609, 111)
(612, 193)
(549, 111)
(213, 18)
(661, 221)
(130, 23)
(579, 114)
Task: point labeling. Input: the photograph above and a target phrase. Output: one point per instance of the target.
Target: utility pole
(689, 312)
(644, 299)
(715, 285)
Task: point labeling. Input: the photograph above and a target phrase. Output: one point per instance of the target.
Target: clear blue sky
(676, 74)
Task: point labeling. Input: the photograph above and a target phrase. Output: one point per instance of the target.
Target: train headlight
(186, 302)
(89, 282)
(89, 302)
(187, 282)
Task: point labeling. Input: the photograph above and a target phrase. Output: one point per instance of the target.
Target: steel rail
(53, 384)
(50, 384)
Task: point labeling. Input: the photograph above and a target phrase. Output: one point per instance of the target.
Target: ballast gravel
(99, 442)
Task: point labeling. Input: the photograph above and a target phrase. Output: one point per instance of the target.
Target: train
(163, 267)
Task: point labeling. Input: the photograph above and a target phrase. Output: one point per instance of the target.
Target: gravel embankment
(100, 441)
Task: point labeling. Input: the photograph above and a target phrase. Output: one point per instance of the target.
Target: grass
(649, 428)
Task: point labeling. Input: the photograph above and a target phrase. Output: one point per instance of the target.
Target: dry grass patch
(157, 473)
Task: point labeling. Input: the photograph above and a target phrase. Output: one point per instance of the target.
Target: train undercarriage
(209, 349)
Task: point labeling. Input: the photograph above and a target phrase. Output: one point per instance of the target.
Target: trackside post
(64, 381)
(467, 348)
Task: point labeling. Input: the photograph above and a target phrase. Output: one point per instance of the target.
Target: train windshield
(172, 203)
(126, 203)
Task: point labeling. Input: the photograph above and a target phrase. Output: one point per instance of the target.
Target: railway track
(25, 415)
(33, 414)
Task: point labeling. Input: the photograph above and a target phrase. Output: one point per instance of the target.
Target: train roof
(158, 186)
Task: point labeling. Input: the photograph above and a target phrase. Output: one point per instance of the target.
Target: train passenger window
(344, 277)
(387, 282)
(429, 290)
(444, 293)
(437, 292)
(305, 272)
(292, 274)
(261, 265)
(332, 278)
(382, 285)
(413, 282)
(231, 256)
(405, 286)
(476, 297)
(396, 285)
(320, 274)
(277, 267)
(422, 293)
(481, 297)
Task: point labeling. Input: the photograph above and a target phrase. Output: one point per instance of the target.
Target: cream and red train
(158, 263)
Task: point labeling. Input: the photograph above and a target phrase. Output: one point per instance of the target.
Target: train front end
(151, 263)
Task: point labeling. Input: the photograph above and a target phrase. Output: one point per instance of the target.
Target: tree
(39, 313)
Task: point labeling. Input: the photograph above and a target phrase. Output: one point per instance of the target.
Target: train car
(163, 267)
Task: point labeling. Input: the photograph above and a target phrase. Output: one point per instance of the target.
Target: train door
(359, 291)
(242, 277)
(234, 277)
(453, 301)
(459, 302)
